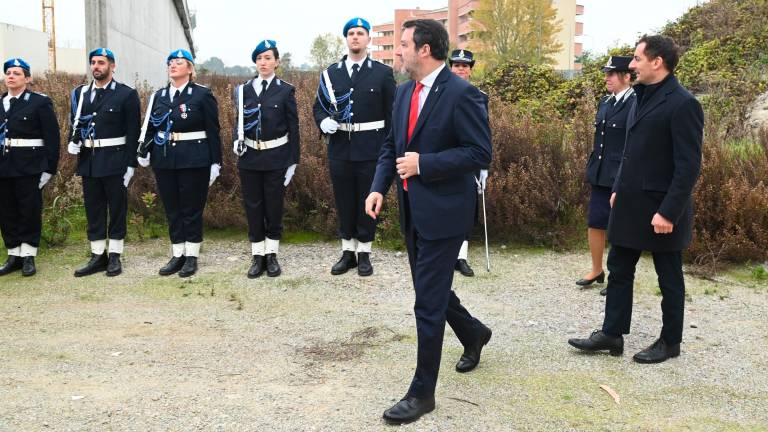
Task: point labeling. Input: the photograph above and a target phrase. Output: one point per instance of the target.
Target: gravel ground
(310, 351)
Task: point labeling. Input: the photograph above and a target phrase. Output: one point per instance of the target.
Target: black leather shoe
(258, 264)
(97, 263)
(364, 267)
(409, 409)
(114, 266)
(347, 261)
(471, 357)
(273, 267)
(658, 352)
(189, 268)
(604, 291)
(599, 341)
(463, 267)
(12, 264)
(173, 266)
(28, 266)
(586, 282)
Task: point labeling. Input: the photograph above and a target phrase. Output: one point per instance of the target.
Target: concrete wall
(31, 45)
(72, 60)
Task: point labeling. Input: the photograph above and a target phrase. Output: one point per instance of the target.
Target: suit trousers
(618, 304)
(263, 198)
(351, 186)
(184, 193)
(21, 210)
(105, 196)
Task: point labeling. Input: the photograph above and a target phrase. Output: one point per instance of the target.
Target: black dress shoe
(463, 267)
(273, 267)
(347, 261)
(364, 267)
(586, 282)
(12, 264)
(604, 291)
(173, 266)
(658, 352)
(114, 266)
(189, 268)
(471, 357)
(409, 409)
(97, 263)
(258, 264)
(28, 266)
(599, 341)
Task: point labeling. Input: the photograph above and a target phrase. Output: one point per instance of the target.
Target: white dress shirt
(7, 100)
(94, 87)
(256, 83)
(172, 90)
(620, 95)
(428, 81)
(349, 63)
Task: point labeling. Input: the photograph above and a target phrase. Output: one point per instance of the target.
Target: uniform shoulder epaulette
(279, 81)
(200, 85)
(483, 92)
(39, 94)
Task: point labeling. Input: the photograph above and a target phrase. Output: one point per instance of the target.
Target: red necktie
(413, 116)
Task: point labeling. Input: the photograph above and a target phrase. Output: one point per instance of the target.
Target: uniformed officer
(105, 130)
(180, 138)
(354, 109)
(29, 155)
(267, 143)
(604, 161)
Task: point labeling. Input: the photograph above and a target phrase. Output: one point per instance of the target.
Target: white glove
(143, 161)
(44, 177)
(127, 176)
(234, 147)
(73, 148)
(215, 169)
(289, 174)
(481, 181)
(329, 125)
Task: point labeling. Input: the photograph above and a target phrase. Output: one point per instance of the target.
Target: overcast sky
(229, 29)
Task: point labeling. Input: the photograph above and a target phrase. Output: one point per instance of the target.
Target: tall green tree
(326, 49)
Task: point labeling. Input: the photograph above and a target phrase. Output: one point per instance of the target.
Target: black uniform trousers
(351, 186)
(184, 193)
(618, 304)
(21, 210)
(263, 194)
(104, 196)
(432, 263)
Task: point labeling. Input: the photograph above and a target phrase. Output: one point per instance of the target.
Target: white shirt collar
(429, 80)
(7, 100)
(95, 86)
(256, 83)
(349, 63)
(172, 90)
(621, 94)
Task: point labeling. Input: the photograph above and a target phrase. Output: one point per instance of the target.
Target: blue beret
(265, 45)
(15, 62)
(102, 52)
(180, 53)
(356, 22)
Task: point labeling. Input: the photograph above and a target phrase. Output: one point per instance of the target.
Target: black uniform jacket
(610, 133)
(30, 117)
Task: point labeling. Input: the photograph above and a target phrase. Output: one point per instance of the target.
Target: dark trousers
(432, 264)
(351, 186)
(618, 304)
(263, 194)
(106, 199)
(184, 192)
(21, 210)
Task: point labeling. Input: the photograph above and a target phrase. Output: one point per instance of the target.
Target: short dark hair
(429, 32)
(661, 46)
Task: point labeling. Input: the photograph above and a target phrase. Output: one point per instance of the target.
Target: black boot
(114, 267)
(463, 267)
(189, 268)
(258, 264)
(12, 264)
(97, 263)
(173, 266)
(364, 267)
(273, 267)
(28, 266)
(347, 261)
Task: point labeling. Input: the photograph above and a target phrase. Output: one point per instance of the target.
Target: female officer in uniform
(180, 138)
(29, 154)
(267, 143)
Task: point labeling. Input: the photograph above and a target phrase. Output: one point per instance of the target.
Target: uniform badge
(266, 44)
(183, 109)
(16, 62)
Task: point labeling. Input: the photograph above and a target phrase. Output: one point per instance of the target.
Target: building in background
(32, 46)
(457, 19)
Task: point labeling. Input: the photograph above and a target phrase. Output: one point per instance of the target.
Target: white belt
(361, 127)
(22, 142)
(104, 142)
(185, 136)
(266, 145)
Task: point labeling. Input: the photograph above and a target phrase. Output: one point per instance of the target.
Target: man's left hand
(408, 165)
(661, 225)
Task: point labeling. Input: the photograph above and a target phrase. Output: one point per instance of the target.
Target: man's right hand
(143, 161)
(329, 125)
(613, 198)
(373, 204)
(73, 148)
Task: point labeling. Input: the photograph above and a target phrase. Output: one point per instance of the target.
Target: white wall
(31, 45)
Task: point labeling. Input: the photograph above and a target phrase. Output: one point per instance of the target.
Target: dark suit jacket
(116, 113)
(279, 116)
(660, 166)
(31, 117)
(194, 110)
(453, 140)
(372, 92)
(610, 133)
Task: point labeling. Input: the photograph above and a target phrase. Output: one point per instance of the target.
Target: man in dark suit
(652, 207)
(439, 139)
(105, 132)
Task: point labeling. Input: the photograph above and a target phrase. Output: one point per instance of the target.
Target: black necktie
(96, 95)
(11, 102)
(612, 100)
(176, 95)
(263, 88)
(355, 68)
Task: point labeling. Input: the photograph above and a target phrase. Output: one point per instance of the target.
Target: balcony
(579, 10)
(579, 29)
(383, 40)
